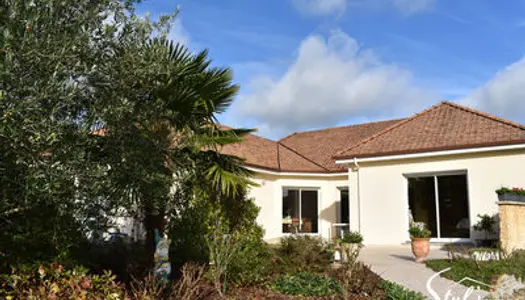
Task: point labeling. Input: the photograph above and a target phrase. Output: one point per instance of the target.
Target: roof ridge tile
(301, 155)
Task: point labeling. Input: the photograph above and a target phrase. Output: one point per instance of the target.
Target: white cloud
(504, 94)
(409, 7)
(338, 7)
(330, 81)
(321, 7)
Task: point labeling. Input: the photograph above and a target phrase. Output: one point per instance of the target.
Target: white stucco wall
(383, 190)
(268, 196)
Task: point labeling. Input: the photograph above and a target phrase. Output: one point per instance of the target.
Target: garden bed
(301, 267)
(484, 271)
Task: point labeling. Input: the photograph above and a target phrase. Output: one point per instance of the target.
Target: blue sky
(307, 64)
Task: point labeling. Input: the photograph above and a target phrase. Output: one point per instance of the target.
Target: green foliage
(253, 262)
(419, 230)
(394, 291)
(484, 271)
(98, 112)
(486, 224)
(303, 254)
(307, 284)
(352, 237)
(126, 260)
(55, 282)
(42, 233)
(512, 191)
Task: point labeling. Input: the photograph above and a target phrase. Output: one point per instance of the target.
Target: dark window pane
(309, 212)
(422, 201)
(344, 208)
(290, 211)
(453, 206)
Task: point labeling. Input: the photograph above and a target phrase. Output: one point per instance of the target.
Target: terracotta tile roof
(264, 153)
(257, 152)
(320, 146)
(291, 161)
(445, 126)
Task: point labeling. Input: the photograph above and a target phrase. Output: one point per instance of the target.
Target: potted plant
(486, 224)
(350, 244)
(511, 194)
(420, 240)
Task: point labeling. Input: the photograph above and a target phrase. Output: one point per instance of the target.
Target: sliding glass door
(300, 211)
(441, 201)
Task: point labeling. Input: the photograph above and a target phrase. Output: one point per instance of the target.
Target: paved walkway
(396, 263)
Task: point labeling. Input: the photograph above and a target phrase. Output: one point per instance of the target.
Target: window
(300, 211)
(344, 209)
(441, 201)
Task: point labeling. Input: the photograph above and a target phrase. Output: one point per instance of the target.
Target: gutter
(299, 174)
(358, 191)
(430, 154)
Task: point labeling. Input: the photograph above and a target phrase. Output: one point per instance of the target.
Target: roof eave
(423, 153)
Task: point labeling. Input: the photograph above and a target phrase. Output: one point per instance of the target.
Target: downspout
(356, 169)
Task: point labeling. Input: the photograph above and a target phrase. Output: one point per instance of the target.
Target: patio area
(396, 263)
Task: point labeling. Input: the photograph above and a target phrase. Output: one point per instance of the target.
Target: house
(440, 166)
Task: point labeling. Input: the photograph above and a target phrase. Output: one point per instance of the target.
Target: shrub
(55, 282)
(148, 288)
(125, 260)
(352, 237)
(307, 284)
(486, 224)
(394, 291)
(419, 230)
(189, 286)
(303, 254)
(512, 191)
(252, 262)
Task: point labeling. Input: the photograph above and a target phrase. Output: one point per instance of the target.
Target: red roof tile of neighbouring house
(445, 126)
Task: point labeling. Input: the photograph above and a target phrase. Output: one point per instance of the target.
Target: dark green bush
(126, 260)
(352, 237)
(307, 284)
(303, 254)
(394, 291)
(252, 263)
(41, 233)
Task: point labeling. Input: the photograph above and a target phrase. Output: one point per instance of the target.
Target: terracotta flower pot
(420, 248)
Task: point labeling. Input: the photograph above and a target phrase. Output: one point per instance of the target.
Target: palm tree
(165, 129)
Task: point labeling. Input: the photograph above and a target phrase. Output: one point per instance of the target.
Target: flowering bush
(419, 230)
(512, 191)
(54, 282)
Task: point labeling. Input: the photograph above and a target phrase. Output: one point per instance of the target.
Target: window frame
(434, 176)
(300, 189)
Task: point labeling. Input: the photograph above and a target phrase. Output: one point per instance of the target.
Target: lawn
(484, 271)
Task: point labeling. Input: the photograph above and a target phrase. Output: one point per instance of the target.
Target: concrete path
(396, 263)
